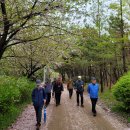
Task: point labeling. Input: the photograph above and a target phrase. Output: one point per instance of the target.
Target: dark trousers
(94, 102)
(70, 92)
(48, 98)
(58, 98)
(38, 110)
(81, 95)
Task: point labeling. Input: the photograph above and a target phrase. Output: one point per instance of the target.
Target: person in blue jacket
(93, 89)
(79, 87)
(38, 99)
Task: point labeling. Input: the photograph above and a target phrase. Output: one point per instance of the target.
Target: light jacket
(93, 90)
(70, 85)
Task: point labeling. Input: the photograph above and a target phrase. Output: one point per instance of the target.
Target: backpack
(79, 85)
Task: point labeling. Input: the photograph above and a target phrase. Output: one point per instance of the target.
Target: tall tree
(30, 17)
(122, 36)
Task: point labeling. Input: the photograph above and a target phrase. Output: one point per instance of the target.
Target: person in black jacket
(57, 89)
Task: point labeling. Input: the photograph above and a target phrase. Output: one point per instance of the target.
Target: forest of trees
(104, 48)
(85, 37)
(71, 37)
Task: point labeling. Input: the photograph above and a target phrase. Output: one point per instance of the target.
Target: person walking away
(79, 87)
(70, 88)
(53, 83)
(57, 89)
(48, 88)
(93, 89)
(38, 99)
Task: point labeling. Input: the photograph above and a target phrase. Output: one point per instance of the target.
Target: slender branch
(20, 27)
(30, 40)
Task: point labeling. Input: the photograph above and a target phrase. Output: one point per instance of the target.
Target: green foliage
(128, 119)
(13, 91)
(108, 98)
(9, 117)
(25, 88)
(110, 101)
(121, 91)
(114, 6)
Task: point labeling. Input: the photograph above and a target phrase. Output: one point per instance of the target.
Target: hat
(79, 77)
(38, 81)
(93, 78)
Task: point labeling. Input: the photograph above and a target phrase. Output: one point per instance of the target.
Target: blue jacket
(79, 85)
(93, 90)
(48, 88)
(38, 96)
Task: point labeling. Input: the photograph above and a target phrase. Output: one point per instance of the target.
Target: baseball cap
(79, 77)
(38, 81)
(93, 78)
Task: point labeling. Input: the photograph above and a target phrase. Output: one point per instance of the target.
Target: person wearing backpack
(93, 89)
(79, 87)
(38, 99)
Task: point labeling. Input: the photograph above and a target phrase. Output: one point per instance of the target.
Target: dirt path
(68, 116)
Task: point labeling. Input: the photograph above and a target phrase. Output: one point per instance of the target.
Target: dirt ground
(68, 116)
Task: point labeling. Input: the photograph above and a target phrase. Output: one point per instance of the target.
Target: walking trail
(68, 116)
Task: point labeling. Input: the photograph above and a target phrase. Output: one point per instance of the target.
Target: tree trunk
(122, 36)
(101, 78)
(3, 41)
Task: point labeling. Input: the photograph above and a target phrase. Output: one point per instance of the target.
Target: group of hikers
(41, 95)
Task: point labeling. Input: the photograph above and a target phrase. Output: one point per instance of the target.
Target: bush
(25, 87)
(13, 91)
(121, 91)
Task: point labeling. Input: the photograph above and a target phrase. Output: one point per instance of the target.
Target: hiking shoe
(94, 114)
(57, 105)
(82, 105)
(38, 126)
